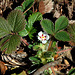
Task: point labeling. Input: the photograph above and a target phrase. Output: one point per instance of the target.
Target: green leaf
(48, 26)
(36, 47)
(31, 32)
(72, 72)
(61, 23)
(11, 44)
(62, 36)
(47, 54)
(19, 8)
(27, 4)
(54, 44)
(16, 20)
(35, 60)
(30, 46)
(26, 32)
(5, 28)
(4, 40)
(34, 17)
(23, 33)
(30, 36)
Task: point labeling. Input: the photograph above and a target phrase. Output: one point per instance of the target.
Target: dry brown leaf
(41, 7)
(3, 68)
(45, 6)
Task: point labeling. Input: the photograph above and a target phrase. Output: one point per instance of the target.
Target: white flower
(43, 37)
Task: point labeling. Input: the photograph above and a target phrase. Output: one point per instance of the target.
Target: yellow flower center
(43, 37)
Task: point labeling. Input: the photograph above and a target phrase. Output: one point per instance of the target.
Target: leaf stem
(24, 41)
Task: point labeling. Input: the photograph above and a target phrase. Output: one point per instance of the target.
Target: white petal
(40, 33)
(47, 38)
(44, 34)
(44, 41)
(39, 38)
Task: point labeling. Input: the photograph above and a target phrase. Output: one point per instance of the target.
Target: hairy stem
(50, 45)
(24, 41)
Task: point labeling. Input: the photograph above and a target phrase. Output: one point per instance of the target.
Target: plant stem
(49, 45)
(24, 41)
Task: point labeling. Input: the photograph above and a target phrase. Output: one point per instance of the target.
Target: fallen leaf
(45, 6)
(3, 68)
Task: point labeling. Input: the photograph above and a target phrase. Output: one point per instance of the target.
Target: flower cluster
(43, 37)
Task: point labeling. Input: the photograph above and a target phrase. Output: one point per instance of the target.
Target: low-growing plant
(17, 26)
(57, 30)
(14, 27)
(47, 49)
(9, 30)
